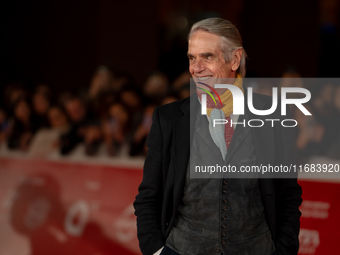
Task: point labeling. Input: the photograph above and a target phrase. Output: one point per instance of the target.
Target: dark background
(62, 42)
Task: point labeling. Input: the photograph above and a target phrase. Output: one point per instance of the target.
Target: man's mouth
(203, 78)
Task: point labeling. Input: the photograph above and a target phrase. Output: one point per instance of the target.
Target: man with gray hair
(177, 214)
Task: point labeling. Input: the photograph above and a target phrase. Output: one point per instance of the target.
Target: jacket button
(224, 234)
(224, 191)
(217, 250)
(225, 182)
(224, 208)
(224, 226)
(225, 200)
(223, 242)
(224, 217)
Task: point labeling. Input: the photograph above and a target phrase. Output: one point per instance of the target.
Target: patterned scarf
(222, 134)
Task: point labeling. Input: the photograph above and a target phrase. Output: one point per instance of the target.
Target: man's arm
(288, 199)
(148, 203)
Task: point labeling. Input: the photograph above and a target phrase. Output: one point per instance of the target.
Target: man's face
(75, 110)
(206, 60)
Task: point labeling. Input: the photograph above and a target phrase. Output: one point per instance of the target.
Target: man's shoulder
(174, 110)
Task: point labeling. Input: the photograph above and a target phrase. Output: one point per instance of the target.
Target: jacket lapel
(181, 143)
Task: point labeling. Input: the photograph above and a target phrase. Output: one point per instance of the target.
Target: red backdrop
(52, 207)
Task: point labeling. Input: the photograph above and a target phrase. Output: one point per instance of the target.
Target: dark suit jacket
(161, 190)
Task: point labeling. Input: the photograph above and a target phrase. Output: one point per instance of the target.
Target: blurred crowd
(319, 133)
(113, 112)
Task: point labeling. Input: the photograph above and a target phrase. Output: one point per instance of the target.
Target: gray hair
(230, 38)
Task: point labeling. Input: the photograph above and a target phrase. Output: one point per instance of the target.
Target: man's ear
(237, 56)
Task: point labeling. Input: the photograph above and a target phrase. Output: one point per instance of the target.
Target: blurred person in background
(325, 112)
(291, 78)
(182, 86)
(182, 80)
(4, 126)
(92, 138)
(102, 80)
(64, 97)
(23, 127)
(83, 128)
(57, 118)
(309, 137)
(323, 101)
(184, 91)
(102, 102)
(138, 142)
(116, 127)
(133, 100)
(43, 89)
(121, 80)
(169, 99)
(106, 87)
(41, 103)
(46, 140)
(263, 87)
(156, 87)
(12, 93)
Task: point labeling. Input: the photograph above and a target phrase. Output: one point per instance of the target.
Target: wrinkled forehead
(202, 42)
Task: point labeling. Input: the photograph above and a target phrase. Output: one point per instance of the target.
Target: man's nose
(198, 66)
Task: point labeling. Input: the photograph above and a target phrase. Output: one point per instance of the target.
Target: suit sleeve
(148, 203)
(289, 199)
